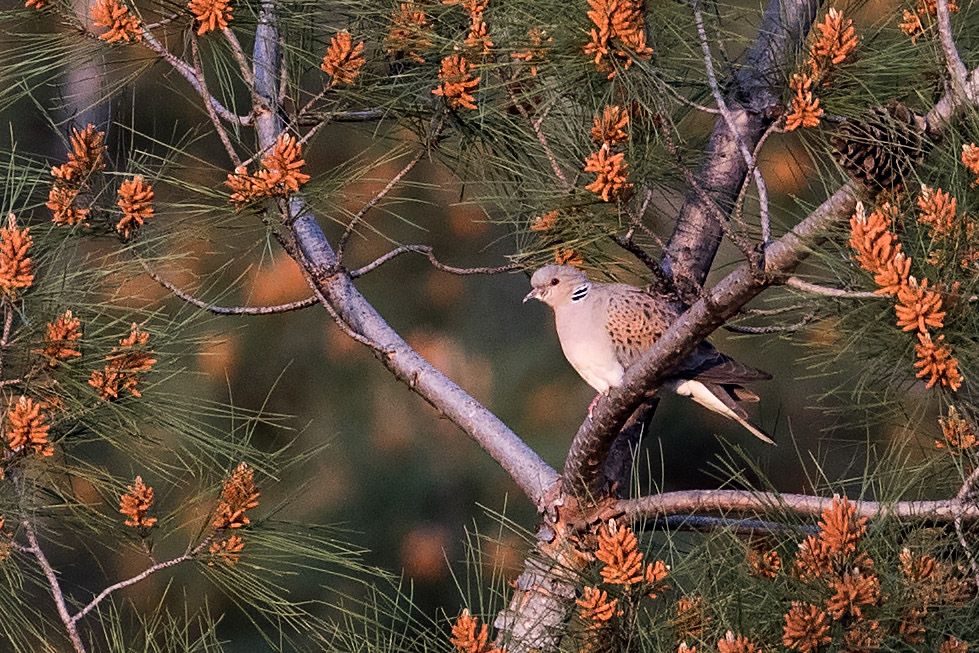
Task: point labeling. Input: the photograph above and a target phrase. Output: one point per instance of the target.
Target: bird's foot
(591, 406)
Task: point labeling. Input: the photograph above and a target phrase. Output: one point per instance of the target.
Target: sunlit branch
(953, 61)
(705, 502)
(321, 299)
(815, 289)
(966, 493)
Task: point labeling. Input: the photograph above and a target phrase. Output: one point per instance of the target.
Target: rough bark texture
(544, 594)
(756, 91)
(726, 502)
(697, 233)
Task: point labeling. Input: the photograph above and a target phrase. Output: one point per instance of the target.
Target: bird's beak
(533, 294)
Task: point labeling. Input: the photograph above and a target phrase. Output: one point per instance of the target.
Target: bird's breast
(588, 348)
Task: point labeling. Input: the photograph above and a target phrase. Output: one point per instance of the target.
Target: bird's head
(555, 284)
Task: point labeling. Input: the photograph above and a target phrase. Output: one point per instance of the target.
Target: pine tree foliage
(585, 129)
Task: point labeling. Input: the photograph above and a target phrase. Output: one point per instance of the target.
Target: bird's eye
(554, 282)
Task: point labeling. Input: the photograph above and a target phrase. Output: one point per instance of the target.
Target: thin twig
(146, 573)
(636, 221)
(536, 127)
(770, 311)
(690, 103)
(8, 323)
(283, 75)
(59, 597)
(312, 132)
(629, 245)
(662, 280)
(740, 241)
(218, 127)
(964, 494)
(377, 198)
(163, 21)
(738, 210)
(815, 289)
(749, 159)
(227, 310)
(187, 72)
(238, 53)
(773, 328)
(427, 251)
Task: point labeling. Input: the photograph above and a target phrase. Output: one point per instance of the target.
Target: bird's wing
(634, 320)
(709, 365)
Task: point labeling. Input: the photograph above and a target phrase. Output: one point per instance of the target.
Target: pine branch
(427, 251)
(146, 573)
(341, 245)
(320, 263)
(953, 60)
(697, 234)
(55, 586)
(594, 438)
(707, 502)
(746, 154)
(226, 310)
(815, 289)
(187, 72)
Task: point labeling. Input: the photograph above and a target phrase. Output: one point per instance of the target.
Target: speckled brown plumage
(604, 328)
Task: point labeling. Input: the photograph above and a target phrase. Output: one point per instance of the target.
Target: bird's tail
(755, 431)
(715, 397)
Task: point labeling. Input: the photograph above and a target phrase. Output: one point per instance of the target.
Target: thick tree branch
(522, 463)
(595, 436)
(746, 154)
(697, 233)
(726, 502)
(319, 260)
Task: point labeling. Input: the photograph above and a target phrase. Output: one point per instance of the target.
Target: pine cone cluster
(882, 148)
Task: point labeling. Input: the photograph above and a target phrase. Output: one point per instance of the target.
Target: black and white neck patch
(579, 293)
